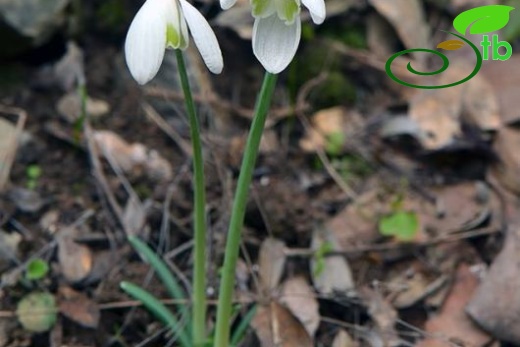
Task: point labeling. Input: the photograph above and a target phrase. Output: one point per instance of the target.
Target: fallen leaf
(9, 139)
(131, 157)
(329, 125)
(506, 143)
(75, 259)
(451, 45)
(299, 297)
(504, 79)
(335, 274)
(271, 263)
(496, 302)
(78, 307)
(452, 323)
(383, 315)
(69, 107)
(343, 339)
(409, 21)
(275, 326)
(134, 216)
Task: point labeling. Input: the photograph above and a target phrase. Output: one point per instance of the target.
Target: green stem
(199, 264)
(238, 212)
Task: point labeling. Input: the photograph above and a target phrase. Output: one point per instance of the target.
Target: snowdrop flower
(162, 24)
(277, 29)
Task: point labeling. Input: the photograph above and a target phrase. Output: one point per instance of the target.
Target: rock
(26, 23)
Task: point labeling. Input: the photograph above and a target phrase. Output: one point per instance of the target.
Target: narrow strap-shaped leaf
(241, 329)
(158, 309)
(171, 284)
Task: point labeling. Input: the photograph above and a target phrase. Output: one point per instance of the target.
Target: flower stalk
(199, 220)
(227, 282)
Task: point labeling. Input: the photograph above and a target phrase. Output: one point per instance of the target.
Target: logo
(480, 20)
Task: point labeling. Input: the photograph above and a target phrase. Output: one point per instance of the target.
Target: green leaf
(37, 312)
(483, 19)
(159, 310)
(36, 269)
(334, 144)
(402, 225)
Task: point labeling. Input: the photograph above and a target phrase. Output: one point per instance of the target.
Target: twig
(298, 252)
(300, 102)
(152, 114)
(274, 116)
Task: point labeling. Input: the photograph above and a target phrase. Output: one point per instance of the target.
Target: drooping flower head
(162, 24)
(277, 29)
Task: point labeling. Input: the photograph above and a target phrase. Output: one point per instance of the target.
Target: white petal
(317, 10)
(227, 4)
(146, 41)
(275, 43)
(204, 37)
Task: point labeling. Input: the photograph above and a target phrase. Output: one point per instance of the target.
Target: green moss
(336, 90)
(112, 14)
(351, 35)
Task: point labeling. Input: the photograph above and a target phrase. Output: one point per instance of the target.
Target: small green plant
(319, 257)
(161, 312)
(37, 312)
(402, 225)
(334, 143)
(36, 269)
(33, 173)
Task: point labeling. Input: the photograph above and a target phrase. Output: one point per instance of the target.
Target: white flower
(161, 24)
(277, 29)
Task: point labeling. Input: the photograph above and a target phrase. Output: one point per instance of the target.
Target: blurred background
(380, 214)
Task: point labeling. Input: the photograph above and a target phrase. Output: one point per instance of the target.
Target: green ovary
(288, 9)
(260, 7)
(173, 37)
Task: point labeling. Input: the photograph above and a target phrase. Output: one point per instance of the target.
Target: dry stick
(274, 115)
(100, 176)
(152, 114)
(297, 252)
(300, 105)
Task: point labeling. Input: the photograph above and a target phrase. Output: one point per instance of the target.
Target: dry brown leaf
(452, 323)
(75, 259)
(380, 38)
(343, 339)
(481, 105)
(271, 264)
(134, 216)
(496, 302)
(130, 157)
(409, 21)
(383, 315)
(69, 107)
(329, 122)
(78, 308)
(439, 113)
(504, 78)
(506, 146)
(332, 273)
(300, 299)
(10, 133)
(275, 326)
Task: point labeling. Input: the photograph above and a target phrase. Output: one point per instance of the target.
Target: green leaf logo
(483, 19)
